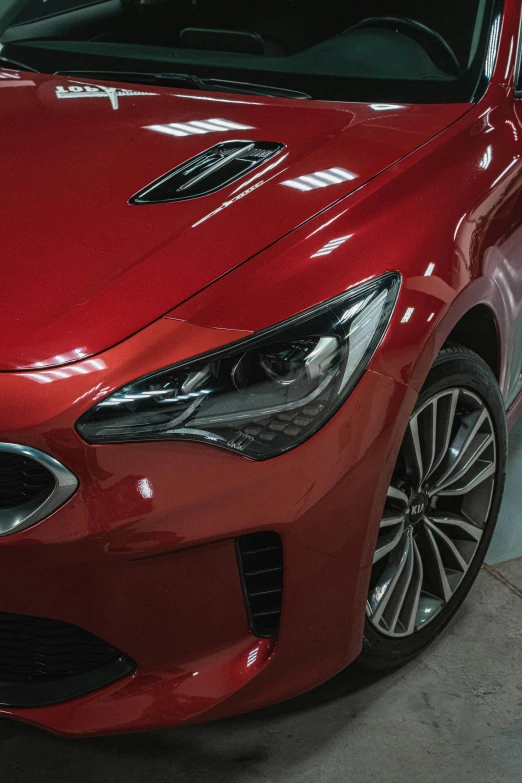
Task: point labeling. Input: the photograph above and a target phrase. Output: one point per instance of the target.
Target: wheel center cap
(418, 507)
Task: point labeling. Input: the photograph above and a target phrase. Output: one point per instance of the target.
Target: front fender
(411, 346)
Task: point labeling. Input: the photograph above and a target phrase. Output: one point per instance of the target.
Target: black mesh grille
(260, 557)
(22, 480)
(35, 650)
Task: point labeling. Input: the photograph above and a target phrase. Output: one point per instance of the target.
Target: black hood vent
(210, 171)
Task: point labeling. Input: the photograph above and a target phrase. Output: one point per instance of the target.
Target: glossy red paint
(154, 571)
(478, 161)
(132, 264)
(133, 560)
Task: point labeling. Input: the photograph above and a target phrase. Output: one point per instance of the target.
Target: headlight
(261, 396)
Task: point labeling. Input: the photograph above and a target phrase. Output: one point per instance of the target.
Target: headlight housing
(260, 396)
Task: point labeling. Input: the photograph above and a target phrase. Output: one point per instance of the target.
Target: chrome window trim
(13, 520)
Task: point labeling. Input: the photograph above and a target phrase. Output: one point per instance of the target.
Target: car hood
(82, 269)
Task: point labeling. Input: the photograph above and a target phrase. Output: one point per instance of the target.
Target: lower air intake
(46, 661)
(260, 557)
(23, 480)
(32, 485)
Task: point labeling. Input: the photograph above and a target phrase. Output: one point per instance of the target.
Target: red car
(261, 342)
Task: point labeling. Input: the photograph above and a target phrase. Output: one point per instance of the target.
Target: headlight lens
(261, 396)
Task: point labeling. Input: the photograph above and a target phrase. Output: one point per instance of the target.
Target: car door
(516, 292)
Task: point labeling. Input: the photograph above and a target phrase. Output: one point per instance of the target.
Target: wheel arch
(477, 319)
(478, 331)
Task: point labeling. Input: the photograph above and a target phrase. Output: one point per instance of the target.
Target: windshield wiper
(15, 64)
(225, 85)
(187, 79)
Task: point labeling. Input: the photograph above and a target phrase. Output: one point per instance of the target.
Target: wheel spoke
(431, 438)
(449, 544)
(441, 571)
(383, 590)
(413, 451)
(456, 523)
(486, 471)
(417, 586)
(398, 494)
(391, 518)
(446, 409)
(403, 586)
(462, 466)
(388, 542)
(468, 430)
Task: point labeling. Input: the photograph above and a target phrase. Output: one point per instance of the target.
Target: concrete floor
(507, 541)
(454, 715)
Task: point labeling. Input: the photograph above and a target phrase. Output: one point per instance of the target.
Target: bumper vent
(32, 486)
(260, 557)
(208, 172)
(23, 480)
(47, 661)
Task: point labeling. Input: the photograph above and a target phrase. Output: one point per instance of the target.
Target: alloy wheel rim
(436, 511)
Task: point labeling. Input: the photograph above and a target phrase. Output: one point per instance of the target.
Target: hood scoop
(208, 172)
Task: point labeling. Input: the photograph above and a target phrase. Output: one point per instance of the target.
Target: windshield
(417, 51)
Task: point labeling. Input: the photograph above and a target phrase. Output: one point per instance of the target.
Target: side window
(40, 9)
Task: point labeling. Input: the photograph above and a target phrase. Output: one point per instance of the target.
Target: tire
(459, 382)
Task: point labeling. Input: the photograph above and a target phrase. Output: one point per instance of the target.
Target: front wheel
(441, 509)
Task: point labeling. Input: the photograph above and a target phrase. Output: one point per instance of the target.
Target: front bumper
(143, 556)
